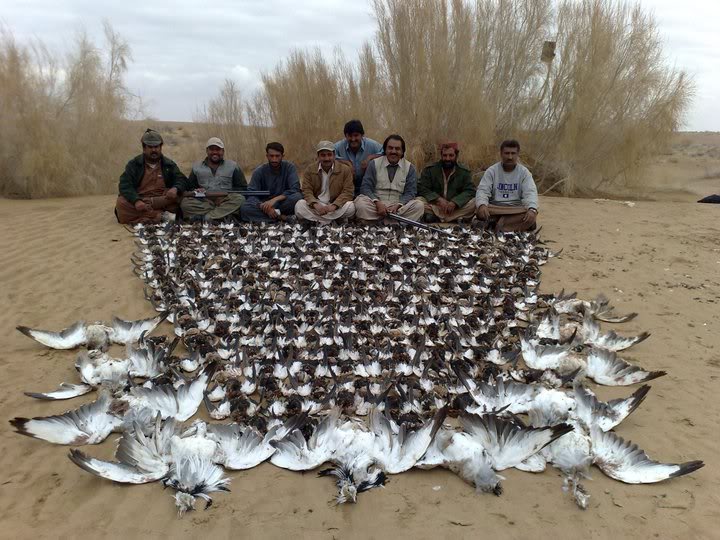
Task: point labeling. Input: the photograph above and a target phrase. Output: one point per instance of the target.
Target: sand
(67, 259)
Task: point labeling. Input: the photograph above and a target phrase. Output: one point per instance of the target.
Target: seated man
(328, 189)
(446, 188)
(213, 174)
(357, 150)
(506, 197)
(149, 185)
(389, 185)
(280, 178)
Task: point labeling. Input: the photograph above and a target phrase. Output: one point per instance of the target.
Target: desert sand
(67, 259)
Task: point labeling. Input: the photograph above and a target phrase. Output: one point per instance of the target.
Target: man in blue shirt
(357, 150)
(280, 178)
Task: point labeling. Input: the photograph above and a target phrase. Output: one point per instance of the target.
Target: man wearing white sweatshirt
(506, 197)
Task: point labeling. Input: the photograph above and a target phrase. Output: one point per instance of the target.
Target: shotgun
(246, 192)
(419, 225)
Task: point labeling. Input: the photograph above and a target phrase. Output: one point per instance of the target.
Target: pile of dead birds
(372, 351)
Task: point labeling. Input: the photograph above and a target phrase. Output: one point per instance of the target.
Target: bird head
(184, 502)
(347, 493)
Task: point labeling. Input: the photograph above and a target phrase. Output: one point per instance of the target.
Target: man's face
(326, 159)
(354, 141)
(393, 151)
(448, 157)
(509, 156)
(152, 153)
(215, 154)
(274, 158)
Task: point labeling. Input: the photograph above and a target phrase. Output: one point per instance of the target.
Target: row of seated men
(356, 177)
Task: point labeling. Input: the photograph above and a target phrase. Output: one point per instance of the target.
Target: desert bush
(582, 83)
(612, 103)
(65, 128)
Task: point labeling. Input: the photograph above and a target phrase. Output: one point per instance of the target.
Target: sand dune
(68, 259)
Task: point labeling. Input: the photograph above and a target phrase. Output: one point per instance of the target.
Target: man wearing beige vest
(389, 185)
(328, 188)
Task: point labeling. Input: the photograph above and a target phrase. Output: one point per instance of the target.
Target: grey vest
(220, 181)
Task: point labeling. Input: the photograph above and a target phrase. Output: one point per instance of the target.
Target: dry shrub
(239, 122)
(478, 72)
(64, 120)
(612, 103)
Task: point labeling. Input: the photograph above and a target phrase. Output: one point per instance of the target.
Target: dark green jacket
(134, 170)
(460, 188)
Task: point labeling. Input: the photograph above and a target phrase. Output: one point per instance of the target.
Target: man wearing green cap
(213, 174)
(149, 185)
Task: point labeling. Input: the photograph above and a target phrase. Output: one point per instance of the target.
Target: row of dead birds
(353, 363)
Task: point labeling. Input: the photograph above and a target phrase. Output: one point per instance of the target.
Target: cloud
(184, 50)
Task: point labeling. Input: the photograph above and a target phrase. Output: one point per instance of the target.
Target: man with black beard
(446, 188)
(213, 174)
(280, 178)
(148, 188)
(507, 198)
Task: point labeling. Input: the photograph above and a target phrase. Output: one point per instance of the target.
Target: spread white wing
(69, 338)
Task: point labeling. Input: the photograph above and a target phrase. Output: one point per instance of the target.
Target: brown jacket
(342, 188)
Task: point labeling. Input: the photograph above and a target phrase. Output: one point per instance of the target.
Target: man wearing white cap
(328, 189)
(213, 174)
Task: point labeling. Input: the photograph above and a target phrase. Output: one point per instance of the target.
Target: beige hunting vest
(387, 191)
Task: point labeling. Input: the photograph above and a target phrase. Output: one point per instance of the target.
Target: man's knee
(348, 209)
(413, 209)
(287, 206)
(365, 208)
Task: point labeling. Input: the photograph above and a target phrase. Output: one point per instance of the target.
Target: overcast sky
(183, 51)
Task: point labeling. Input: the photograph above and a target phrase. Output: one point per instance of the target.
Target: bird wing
(161, 399)
(90, 424)
(117, 472)
(410, 446)
(69, 338)
(606, 368)
(240, 448)
(190, 396)
(138, 460)
(125, 332)
(508, 444)
(435, 453)
(144, 362)
(549, 326)
(64, 391)
(601, 310)
(543, 357)
(606, 416)
(626, 462)
(614, 342)
(293, 453)
(515, 397)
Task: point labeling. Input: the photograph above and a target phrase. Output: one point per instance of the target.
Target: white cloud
(183, 50)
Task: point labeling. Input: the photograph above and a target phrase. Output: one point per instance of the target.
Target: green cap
(151, 138)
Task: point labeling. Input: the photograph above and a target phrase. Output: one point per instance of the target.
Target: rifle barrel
(419, 225)
(246, 192)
